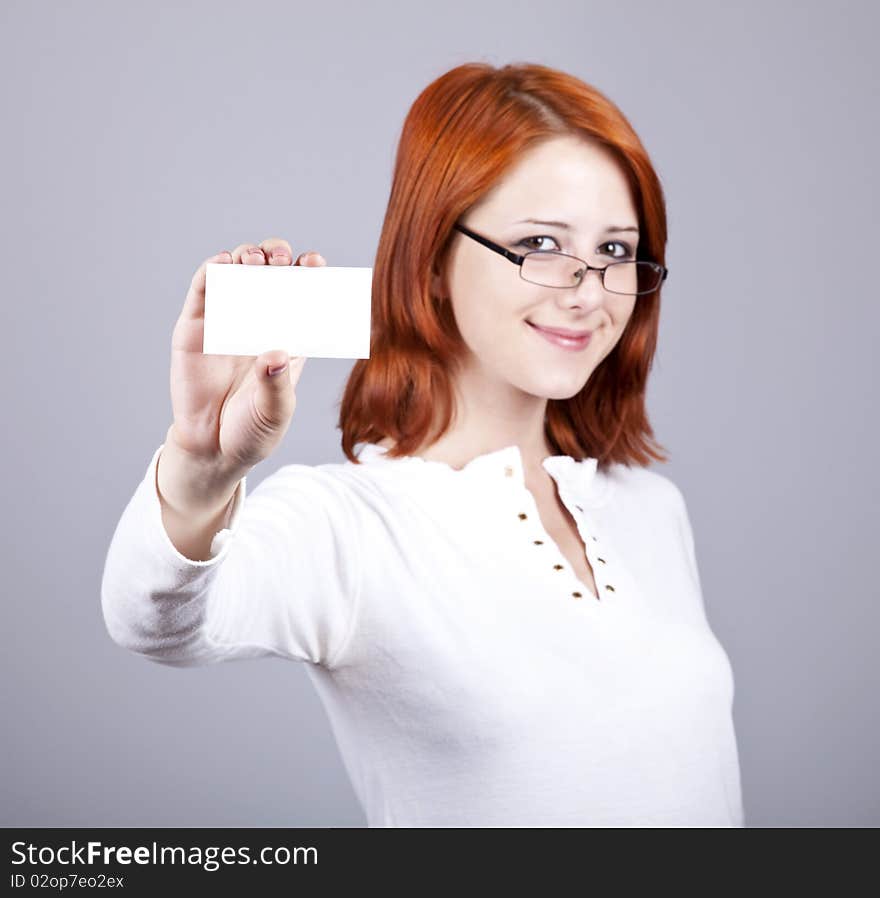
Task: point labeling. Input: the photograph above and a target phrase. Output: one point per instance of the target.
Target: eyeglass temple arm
(516, 258)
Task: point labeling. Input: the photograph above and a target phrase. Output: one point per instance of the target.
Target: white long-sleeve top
(469, 677)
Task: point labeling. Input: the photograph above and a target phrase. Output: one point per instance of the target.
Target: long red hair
(461, 135)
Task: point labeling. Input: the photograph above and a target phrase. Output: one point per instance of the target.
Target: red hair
(462, 133)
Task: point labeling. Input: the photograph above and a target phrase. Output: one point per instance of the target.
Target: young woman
(498, 603)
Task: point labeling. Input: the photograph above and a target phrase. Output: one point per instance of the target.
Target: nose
(590, 291)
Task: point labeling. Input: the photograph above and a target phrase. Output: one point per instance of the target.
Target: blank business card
(316, 312)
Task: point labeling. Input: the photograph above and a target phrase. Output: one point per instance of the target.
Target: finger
(278, 251)
(249, 254)
(194, 305)
(310, 258)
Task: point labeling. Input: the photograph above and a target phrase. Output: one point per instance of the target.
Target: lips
(563, 341)
(560, 331)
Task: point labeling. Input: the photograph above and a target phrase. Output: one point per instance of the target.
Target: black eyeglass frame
(518, 260)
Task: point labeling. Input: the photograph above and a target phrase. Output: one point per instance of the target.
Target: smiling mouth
(561, 331)
(561, 340)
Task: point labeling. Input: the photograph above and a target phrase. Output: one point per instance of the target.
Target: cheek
(620, 321)
(487, 318)
(623, 312)
(485, 335)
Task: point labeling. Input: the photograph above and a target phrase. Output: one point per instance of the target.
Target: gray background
(142, 138)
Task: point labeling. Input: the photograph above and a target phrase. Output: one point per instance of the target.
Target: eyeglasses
(549, 268)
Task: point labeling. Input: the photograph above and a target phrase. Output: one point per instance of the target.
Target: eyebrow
(614, 229)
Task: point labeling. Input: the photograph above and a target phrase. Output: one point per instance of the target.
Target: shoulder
(296, 477)
(332, 488)
(644, 488)
(317, 489)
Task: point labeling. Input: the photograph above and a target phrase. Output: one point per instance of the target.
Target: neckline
(506, 462)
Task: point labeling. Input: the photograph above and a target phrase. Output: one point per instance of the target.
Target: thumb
(274, 364)
(274, 396)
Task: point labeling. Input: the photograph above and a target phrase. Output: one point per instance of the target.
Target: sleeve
(282, 580)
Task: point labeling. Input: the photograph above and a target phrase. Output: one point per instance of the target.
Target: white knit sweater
(469, 677)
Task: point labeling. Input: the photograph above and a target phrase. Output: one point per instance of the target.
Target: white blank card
(312, 311)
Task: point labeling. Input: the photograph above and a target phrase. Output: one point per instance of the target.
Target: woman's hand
(229, 413)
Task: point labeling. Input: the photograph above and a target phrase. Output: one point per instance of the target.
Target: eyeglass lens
(551, 269)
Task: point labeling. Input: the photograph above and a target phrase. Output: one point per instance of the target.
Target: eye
(525, 242)
(627, 249)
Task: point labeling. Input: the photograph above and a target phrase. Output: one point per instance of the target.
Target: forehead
(563, 177)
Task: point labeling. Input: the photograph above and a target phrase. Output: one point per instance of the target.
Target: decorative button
(508, 471)
(522, 515)
(539, 542)
(600, 559)
(609, 586)
(595, 539)
(577, 595)
(557, 567)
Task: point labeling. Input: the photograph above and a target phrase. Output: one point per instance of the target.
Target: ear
(438, 288)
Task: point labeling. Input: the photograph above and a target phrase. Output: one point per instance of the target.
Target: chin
(557, 388)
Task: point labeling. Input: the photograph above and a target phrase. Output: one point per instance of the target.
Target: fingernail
(280, 255)
(255, 252)
(277, 370)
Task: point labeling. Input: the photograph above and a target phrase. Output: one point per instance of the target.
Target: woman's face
(564, 179)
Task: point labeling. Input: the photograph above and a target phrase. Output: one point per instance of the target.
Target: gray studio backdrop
(141, 138)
